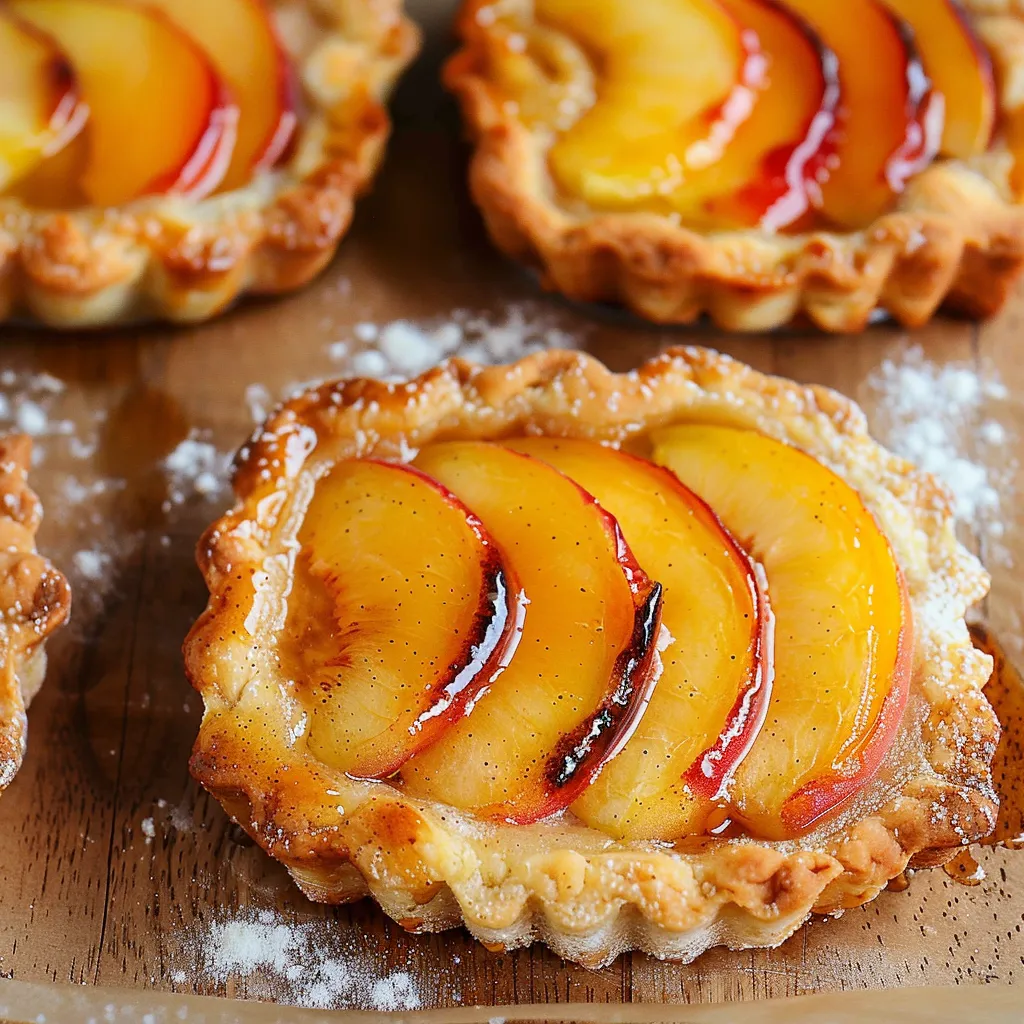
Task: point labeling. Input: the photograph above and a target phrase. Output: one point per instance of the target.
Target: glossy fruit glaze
(787, 115)
(713, 638)
(153, 97)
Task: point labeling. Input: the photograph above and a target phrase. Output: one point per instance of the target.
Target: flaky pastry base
(34, 600)
(954, 239)
(176, 259)
(588, 896)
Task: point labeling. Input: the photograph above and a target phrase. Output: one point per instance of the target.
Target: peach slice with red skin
(891, 120)
(239, 38)
(587, 660)
(960, 69)
(844, 635)
(676, 79)
(160, 118)
(766, 174)
(713, 693)
(41, 108)
(424, 614)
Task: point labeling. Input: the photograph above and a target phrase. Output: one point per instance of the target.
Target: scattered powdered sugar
(91, 565)
(31, 418)
(941, 416)
(259, 401)
(400, 349)
(195, 467)
(85, 532)
(302, 962)
(35, 404)
(65, 431)
(404, 348)
(370, 363)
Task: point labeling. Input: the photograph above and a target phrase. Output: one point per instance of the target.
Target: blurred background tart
(756, 160)
(160, 158)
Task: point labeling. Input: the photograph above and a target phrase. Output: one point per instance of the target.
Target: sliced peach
(675, 79)
(55, 183)
(40, 106)
(239, 38)
(713, 693)
(891, 120)
(766, 173)
(424, 615)
(587, 660)
(960, 69)
(160, 118)
(843, 644)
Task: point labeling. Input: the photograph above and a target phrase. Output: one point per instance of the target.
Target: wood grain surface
(87, 897)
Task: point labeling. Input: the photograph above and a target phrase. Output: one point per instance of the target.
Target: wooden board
(86, 896)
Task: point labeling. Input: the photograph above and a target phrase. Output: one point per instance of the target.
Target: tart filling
(656, 660)
(162, 157)
(750, 159)
(34, 601)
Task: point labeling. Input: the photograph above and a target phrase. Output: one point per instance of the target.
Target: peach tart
(34, 601)
(760, 161)
(656, 661)
(160, 158)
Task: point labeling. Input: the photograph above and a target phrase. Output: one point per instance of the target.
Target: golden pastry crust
(181, 260)
(588, 896)
(34, 600)
(954, 239)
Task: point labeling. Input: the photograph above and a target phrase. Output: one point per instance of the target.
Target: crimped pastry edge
(587, 896)
(169, 258)
(954, 240)
(34, 600)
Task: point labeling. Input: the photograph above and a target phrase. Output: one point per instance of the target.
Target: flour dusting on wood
(944, 417)
(308, 964)
(405, 348)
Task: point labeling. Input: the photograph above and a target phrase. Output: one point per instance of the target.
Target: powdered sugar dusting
(37, 404)
(942, 418)
(86, 532)
(258, 399)
(399, 349)
(404, 348)
(195, 468)
(91, 564)
(78, 502)
(308, 964)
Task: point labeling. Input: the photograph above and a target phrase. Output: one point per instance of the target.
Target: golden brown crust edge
(953, 241)
(185, 261)
(585, 895)
(34, 600)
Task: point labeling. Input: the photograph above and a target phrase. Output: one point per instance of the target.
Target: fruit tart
(656, 661)
(34, 600)
(159, 158)
(759, 161)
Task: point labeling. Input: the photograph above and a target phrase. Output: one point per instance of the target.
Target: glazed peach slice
(40, 106)
(843, 635)
(239, 38)
(587, 661)
(711, 699)
(766, 173)
(160, 118)
(424, 615)
(960, 69)
(891, 119)
(675, 79)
